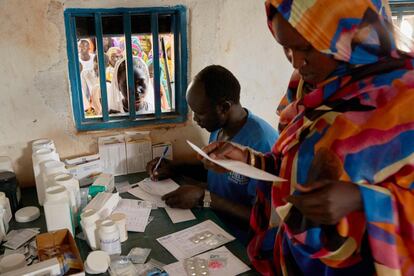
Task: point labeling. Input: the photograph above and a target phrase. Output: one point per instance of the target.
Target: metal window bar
(156, 61)
(101, 62)
(183, 57)
(79, 99)
(177, 62)
(129, 65)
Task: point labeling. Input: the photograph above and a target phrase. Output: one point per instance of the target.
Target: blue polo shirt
(258, 135)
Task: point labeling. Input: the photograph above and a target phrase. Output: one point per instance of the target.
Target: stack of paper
(152, 191)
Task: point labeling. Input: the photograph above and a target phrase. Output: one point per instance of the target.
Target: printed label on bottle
(111, 246)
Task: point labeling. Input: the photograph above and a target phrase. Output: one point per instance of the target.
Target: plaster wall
(34, 84)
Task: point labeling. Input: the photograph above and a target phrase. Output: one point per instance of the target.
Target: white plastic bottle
(120, 221)
(72, 185)
(38, 157)
(7, 215)
(58, 211)
(47, 170)
(109, 237)
(89, 226)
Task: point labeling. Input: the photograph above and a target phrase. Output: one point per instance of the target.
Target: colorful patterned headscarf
(354, 31)
(362, 119)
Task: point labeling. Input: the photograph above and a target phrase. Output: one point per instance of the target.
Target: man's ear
(225, 106)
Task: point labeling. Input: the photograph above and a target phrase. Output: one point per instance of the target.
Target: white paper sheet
(233, 266)
(179, 244)
(137, 216)
(238, 167)
(140, 193)
(160, 187)
(179, 215)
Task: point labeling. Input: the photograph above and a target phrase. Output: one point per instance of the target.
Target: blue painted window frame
(399, 8)
(179, 22)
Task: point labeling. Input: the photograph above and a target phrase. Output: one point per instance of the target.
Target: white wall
(34, 83)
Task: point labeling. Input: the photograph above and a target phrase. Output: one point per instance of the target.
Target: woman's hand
(327, 201)
(223, 150)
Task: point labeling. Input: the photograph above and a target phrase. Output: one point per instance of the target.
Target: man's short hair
(219, 84)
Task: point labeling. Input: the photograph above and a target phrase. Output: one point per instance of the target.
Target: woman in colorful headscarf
(346, 146)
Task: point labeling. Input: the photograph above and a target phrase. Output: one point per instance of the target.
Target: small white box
(85, 168)
(104, 203)
(158, 150)
(113, 154)
(49, 267)
(138, 150)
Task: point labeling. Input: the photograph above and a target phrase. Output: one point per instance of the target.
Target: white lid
(56, 193)
(42, 143)
(52, 166)
(12, 262)
(27, 214)
(63, 178)
(2, 196)
(97, 262)
(45, 154)
(108, 226)
(89, 216)
(118, 217)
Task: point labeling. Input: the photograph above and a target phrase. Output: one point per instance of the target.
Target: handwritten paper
(238, 167)
(180, 243)
(152, 191)
(140, 193)
(136, 215)
(233, 265)
(160, 188)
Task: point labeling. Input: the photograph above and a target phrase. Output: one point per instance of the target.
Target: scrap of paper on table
(136, 215)
(179, 215)
(153, 191)
(180, 245)
(238, 167)
(233, 266)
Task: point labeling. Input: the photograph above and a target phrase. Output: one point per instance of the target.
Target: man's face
(84, 47)
(207, 115)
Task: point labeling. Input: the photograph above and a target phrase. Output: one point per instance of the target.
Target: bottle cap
(97, 262)
(12, 262)
(56, 193)
(27, 214)
(42, 143)
(108, 226)
(52, 166)
(118, 217)
(89, 217)
(63, 177)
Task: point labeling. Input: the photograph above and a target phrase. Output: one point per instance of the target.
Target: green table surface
(160, 226)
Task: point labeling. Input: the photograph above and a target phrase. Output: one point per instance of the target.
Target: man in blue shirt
(214, 97)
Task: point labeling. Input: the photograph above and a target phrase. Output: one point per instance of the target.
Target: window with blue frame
(127, 66)
(403, 16)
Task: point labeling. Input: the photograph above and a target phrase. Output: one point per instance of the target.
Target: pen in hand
(154, 171)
